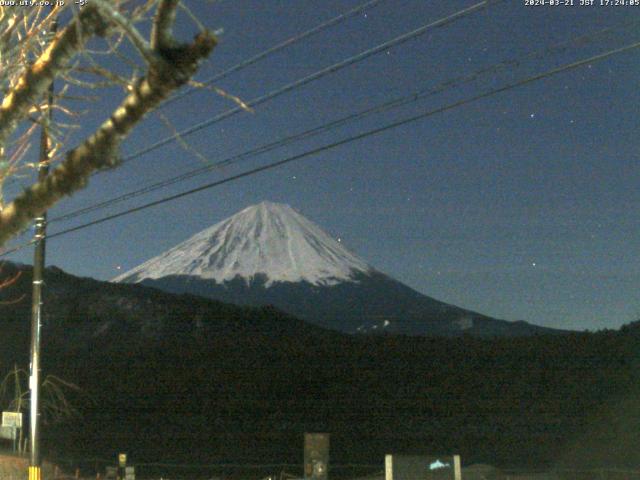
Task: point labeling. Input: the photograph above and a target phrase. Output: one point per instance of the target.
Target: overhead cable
(314, 76)
(388, 105)
(276, 48)
(330, 146)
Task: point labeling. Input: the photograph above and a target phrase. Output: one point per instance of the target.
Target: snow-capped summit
(269, 254)
(268, 239)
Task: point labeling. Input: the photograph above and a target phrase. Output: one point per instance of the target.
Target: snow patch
(464, 323)
(267, 239)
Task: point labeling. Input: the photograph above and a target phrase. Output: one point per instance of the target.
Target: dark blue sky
(524, 205)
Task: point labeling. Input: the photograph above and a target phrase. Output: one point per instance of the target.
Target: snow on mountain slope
(270, 239)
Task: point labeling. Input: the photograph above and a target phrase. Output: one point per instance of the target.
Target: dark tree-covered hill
(178, 377)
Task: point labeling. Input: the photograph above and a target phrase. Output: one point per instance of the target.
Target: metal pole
(35, 459)
(36, 321)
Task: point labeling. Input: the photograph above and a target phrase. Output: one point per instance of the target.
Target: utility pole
(35, 459)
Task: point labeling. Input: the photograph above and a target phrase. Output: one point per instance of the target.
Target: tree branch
(174, 67)
(127, 27)
(161, 35)
(36, 79)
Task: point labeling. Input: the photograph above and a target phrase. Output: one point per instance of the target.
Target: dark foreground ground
(180, 379)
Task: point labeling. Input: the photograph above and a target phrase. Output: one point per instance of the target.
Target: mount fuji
(269, 254)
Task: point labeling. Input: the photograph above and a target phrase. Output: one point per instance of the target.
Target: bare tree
(31, 57)
(56, 393)
(60, 398)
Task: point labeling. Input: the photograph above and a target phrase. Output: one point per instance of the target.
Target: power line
(312, 77)
(395, 103)
(315, 76)
(276, 48)
(369, 133)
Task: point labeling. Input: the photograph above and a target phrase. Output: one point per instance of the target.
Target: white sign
(130, 473)
(8, 433)
(425, 467)
(12, 419)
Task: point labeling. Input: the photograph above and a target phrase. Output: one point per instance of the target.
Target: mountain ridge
(269, 254)
(358, 307)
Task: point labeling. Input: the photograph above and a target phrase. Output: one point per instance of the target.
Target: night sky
(523, 205)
